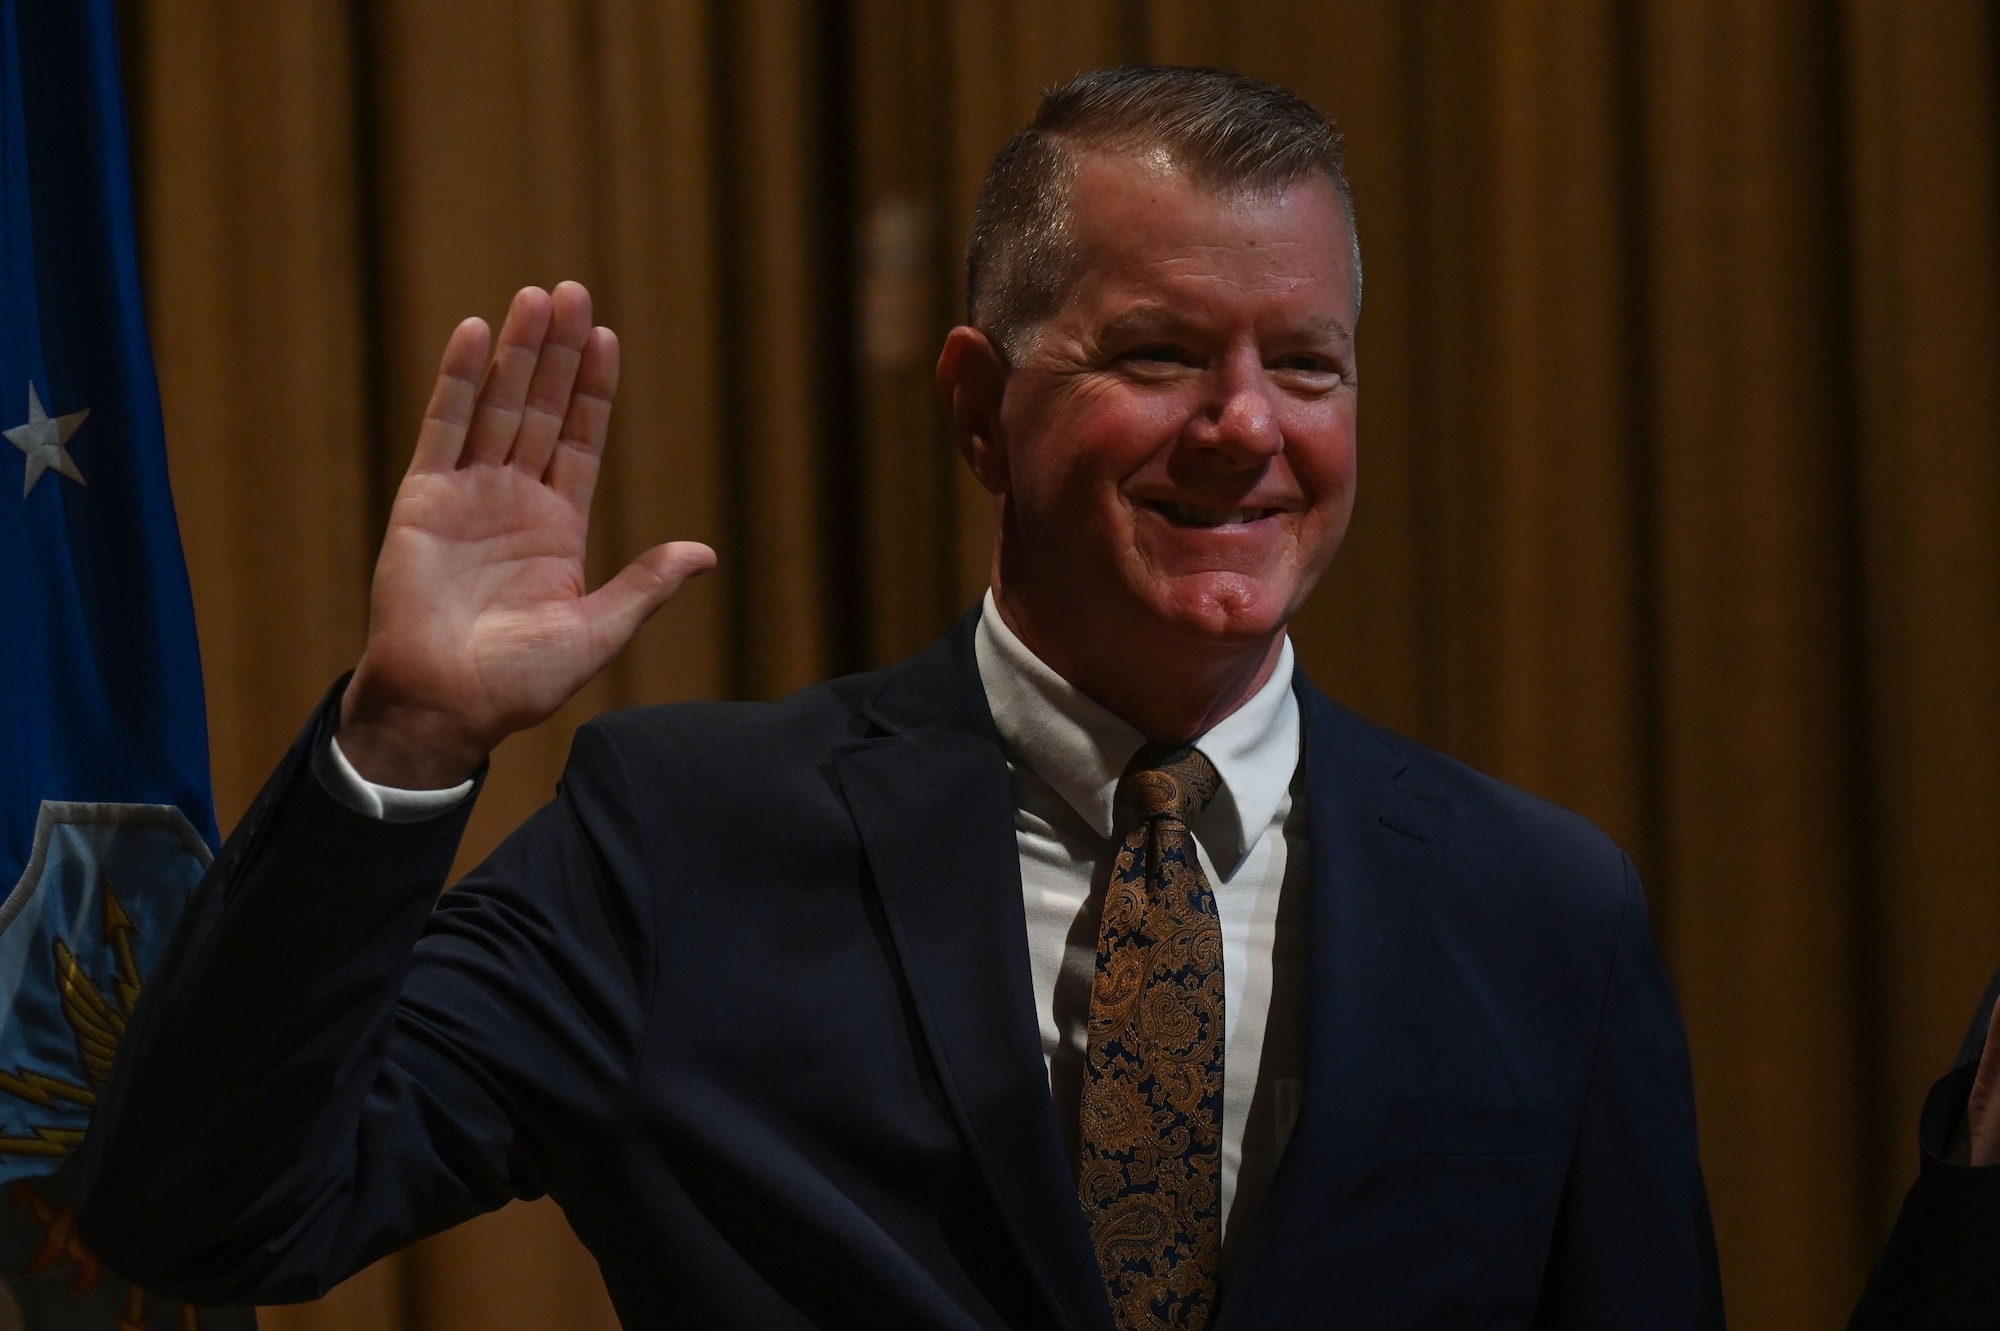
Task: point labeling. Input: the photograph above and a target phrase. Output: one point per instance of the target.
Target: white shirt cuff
(385, 803)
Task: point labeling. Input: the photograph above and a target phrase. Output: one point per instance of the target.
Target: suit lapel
(932, 803)
(1371, 847)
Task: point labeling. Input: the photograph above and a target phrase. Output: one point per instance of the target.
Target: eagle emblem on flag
(74, 951)
(67, 919)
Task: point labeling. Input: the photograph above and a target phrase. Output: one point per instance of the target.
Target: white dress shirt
(1065, 753)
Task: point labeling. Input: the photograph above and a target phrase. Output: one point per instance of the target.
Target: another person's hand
(1982, 1114)
(479, 620)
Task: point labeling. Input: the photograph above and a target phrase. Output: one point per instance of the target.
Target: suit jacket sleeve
(1941, 1267)
(327, 1067)
(1634, 1244)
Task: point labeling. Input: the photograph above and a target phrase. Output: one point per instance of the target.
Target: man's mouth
(1198, 515)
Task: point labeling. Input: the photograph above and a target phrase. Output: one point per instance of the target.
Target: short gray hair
(1225, 131)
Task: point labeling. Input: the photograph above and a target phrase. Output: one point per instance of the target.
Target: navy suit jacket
(751, 1000)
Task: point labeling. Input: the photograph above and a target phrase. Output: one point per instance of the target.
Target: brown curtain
(1680, 501)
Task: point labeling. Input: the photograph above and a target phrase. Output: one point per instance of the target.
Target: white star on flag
(45, 441)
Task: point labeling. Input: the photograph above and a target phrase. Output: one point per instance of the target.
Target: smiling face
(1173, 451)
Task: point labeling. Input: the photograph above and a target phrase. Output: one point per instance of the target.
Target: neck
(1184, 688)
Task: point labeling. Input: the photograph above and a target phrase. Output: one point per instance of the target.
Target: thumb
(620, 606)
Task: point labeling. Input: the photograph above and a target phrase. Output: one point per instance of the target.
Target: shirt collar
(1081, 748)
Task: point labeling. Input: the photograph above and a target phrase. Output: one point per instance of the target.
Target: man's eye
(1164, 353)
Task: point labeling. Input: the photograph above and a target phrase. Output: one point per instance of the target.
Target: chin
(1222, 608)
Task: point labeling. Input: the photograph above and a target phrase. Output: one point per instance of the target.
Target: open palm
(480, 622)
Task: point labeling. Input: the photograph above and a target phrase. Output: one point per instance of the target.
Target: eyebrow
(1166, 319)
(1328, 328)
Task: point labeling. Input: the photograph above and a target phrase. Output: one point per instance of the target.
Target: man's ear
(972, 379)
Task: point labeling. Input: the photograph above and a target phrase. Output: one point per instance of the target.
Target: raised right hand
(479, 623)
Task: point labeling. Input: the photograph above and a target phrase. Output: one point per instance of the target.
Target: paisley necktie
(1151, 1126)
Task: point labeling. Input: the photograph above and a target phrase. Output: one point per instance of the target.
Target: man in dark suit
(1090, 969)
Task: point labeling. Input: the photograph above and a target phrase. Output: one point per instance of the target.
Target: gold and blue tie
(1150, 1132)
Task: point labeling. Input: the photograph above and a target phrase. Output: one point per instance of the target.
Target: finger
(442, 434)
(548, 392)
(1983, 1112)
(496, 417)
(573, 470)
(617, 609)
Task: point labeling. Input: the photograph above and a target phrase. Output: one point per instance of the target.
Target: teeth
(1187, 515)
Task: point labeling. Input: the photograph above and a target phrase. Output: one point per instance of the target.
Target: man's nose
(1241, 420)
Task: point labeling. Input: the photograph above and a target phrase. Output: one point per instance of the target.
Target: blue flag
(106, 821)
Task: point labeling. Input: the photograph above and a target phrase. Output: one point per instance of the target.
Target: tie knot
(1168, 781)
